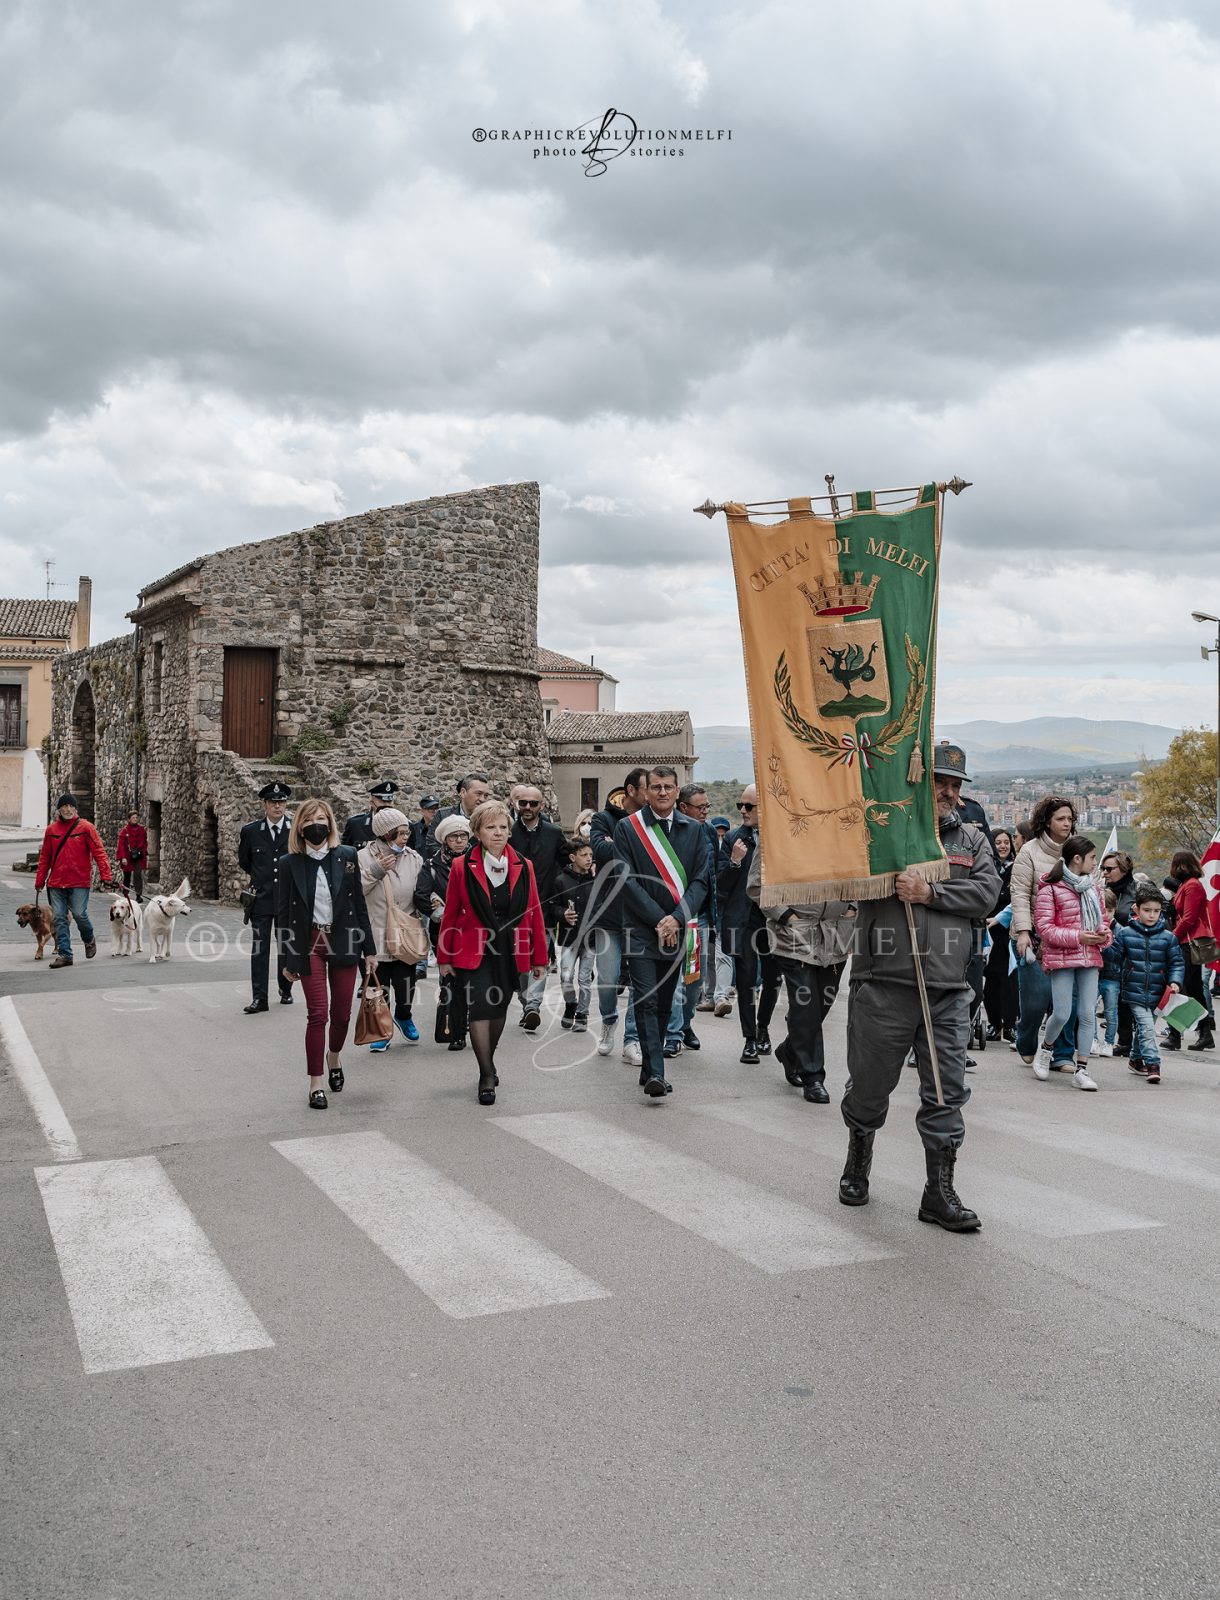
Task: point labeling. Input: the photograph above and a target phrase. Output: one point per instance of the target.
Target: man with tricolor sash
(665, 860)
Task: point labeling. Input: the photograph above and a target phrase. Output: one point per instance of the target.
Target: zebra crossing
(145, 1286)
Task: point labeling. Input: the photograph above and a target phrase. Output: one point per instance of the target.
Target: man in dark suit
(260, 846)
(358, 830)
(743, 932)
(665, 861)
(543, 844)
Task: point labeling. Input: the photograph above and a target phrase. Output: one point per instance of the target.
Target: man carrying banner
(885, 1015)
(665, 859)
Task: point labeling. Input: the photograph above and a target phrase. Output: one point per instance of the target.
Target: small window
(10, 715)
(598, 748)
(588, 794)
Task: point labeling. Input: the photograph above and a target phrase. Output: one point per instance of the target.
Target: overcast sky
(256, 273)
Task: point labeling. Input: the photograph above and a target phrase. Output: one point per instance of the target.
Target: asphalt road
(580, 1344)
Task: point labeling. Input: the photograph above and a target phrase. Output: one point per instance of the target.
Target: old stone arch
(83, 756)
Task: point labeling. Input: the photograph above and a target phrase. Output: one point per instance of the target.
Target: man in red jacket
(70, 846)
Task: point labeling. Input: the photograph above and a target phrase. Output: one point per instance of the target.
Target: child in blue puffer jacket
(1150, 961)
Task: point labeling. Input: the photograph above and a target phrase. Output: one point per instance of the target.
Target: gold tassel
(915, 766)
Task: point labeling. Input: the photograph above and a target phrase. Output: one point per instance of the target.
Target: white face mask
(585, 830)
(398, 848)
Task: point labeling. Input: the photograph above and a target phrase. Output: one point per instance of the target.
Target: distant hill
(1035, 745)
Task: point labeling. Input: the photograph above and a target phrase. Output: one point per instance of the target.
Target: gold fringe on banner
(874, 888)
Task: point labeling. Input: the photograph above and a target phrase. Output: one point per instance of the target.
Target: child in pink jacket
(1072, 924)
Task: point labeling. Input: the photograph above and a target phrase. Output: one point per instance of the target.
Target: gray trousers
(884, 1021)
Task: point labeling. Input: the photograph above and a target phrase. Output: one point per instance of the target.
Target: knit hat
(387, 820)
(454, 824)
(65, 800)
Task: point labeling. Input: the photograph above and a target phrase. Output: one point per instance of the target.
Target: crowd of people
(651, 908)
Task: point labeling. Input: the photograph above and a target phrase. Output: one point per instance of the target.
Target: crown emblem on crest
(840, 599)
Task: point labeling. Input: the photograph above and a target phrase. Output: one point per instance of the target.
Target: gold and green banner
(838, 626)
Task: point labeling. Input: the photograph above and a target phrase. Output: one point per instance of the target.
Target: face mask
(398, 848)
(585, 830)
(316, 832)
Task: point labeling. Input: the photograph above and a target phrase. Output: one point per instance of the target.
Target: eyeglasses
(532, 804)
(746, 805)
(705, 807)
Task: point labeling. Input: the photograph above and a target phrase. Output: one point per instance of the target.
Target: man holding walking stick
(896, 985)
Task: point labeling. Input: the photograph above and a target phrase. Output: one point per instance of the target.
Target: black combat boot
(940, 1201)
(853, 1185)
(1204, 1037)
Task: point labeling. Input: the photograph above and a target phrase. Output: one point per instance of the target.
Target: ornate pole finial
(708, 509)
(829, 479)
(956, 484)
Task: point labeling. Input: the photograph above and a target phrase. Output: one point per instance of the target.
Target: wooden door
(248, 718)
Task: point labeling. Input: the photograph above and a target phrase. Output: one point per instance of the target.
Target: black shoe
(531, 1021)
(749, 1053)
(566, 1021)
(317, 1100)
(853, 1185)
(487, 1097)
(285, 999)
(334, 1078)
(940, 1202)
(690, 1039)
(993, 1032)
(458, 1042)
(1010, 1035)
(1203, 1040)
(816, 1093)
(254, 1007)
(764, 1043)
(671, 1048)
(1173, 1042)
(783, 1054)
(654, 1088)
(669, 1088)
(580, 1022)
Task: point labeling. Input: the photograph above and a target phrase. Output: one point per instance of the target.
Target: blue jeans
(1109, 988)
(1035, 991)
(1073, 990)
(75, 901)
(1143, 1027)
(687, 995)
(576, 963)
(608, 943)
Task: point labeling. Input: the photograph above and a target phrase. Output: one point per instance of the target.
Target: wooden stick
(923, 1001)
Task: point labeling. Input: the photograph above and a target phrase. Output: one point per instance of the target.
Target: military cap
(278, 790)
(385, 790)
(949, 761)
(429, 802)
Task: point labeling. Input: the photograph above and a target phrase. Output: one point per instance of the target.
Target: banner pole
(923, 1001)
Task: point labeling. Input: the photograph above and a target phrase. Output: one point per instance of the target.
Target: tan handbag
(405, 937)
(374, 1021)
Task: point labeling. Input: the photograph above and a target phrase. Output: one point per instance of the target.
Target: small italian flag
(1179, 1010)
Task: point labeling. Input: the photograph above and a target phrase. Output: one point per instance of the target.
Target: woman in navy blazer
(324, 933)
(492, 933)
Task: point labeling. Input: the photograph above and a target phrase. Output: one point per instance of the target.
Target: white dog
(159, 914)
(126, 926)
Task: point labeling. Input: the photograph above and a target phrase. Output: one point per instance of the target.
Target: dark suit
(358, 830)
(743, 935)
(351, 936)
(259, 856)
(647, 898)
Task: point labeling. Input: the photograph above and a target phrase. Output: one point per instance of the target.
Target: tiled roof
(613, 727)
(553, 665)
(36, 619)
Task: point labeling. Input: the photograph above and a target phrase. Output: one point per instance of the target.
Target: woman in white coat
(389, 867)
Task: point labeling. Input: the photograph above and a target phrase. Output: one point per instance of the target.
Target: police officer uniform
(358, 830)
(260, 846)
(885, 1017)
(421, 825)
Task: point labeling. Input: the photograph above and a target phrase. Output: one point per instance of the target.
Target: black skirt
(495, 981)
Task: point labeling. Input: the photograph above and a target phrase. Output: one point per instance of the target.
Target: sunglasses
(532, 804)
(746, 805)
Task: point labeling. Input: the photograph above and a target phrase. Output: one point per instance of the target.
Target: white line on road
(468, 1259)
(1114, 1149)
(144, 1284)
(45, 1102)
(1017, 1202)
(762, 1228)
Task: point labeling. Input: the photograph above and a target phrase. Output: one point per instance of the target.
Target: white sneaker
(633, 1055)
(606, 1043)
(1105, 1049)
(1042, 1065)
(1082, 1080)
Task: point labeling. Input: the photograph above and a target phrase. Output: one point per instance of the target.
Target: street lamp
(1206, 616)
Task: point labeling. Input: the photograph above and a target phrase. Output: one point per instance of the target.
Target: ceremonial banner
(838, 626)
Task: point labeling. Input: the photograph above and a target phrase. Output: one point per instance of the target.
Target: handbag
(373, 1021)
(1203, 951)
(405, 938)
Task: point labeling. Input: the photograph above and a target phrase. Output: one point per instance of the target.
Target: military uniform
(358, 830)
(260, 846)
(885, 1016)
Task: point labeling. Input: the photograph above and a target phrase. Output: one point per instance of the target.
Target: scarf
(1090, 900)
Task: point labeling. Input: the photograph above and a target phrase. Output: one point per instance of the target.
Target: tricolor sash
(672, 873)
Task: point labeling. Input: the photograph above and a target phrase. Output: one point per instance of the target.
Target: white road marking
(764, 1229)
(468, 1259)
(1114, 1149)
(32, 1078)
(144, 1284)
(1017, 1202)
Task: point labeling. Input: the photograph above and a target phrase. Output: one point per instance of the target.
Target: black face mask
(316, 832)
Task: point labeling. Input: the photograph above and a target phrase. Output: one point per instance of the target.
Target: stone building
(33, 634)
(399, 643)
(591, 752)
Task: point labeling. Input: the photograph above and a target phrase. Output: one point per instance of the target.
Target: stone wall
(96, 732)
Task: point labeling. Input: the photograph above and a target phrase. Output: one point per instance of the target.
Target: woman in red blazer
(492, 932)
(1190, 904)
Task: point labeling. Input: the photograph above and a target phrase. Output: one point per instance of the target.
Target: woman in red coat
(1190, 906)
(492, 933)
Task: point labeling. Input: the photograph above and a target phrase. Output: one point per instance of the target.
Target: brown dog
(39, 919)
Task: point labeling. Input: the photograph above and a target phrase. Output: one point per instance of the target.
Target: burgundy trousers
(325, 982)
